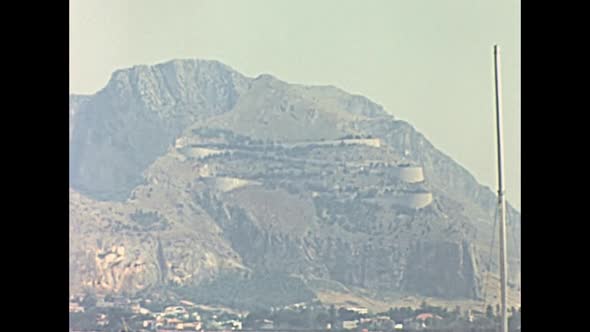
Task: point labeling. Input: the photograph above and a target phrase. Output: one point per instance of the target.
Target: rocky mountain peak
(210, 179)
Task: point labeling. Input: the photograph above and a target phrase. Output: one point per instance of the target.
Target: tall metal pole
(501, 197)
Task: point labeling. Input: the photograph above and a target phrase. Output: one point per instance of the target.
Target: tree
(322, 319)
(490, 312)
(399, 314)
(423, 305)
(345, 314)
(467, 314)
(89, 301)
(83, 320)
(514, 320)
(332, 314)
(457, 312)
(253, 317)
(305, 318)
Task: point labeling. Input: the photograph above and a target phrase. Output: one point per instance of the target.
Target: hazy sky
(428, 62)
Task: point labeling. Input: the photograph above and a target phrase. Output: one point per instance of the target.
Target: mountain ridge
(187, 145)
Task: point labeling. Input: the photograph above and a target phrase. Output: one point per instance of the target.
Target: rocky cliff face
(76, 102)
(138, 115)
(190, 177)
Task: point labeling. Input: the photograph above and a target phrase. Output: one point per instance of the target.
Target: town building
(349, 324)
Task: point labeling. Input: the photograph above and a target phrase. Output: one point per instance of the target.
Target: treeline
(440, 318)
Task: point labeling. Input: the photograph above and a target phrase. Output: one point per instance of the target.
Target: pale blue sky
(428, 62)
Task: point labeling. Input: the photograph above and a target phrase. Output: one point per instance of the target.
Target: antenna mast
(501, 197)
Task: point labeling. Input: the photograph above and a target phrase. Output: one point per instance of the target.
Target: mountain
(75, 104)
(189, 178)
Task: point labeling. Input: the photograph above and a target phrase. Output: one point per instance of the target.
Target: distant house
(77, 298)
(187, 303)
(362, 311)
(144, 311)
(232, 324)
(266, 324)
(121, 302)
(349, 324)
(383, 323)
(101, 303)
(75, 307)
(135, 308)
(196, 316)
(301, 305)
(470, 316)
(173, 321)
(193, 326)
(102, 320)
(175, 311)
(476, 313)
(366, 320)
(148, 324)
(425, 316)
